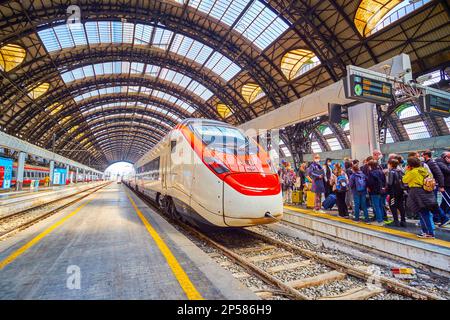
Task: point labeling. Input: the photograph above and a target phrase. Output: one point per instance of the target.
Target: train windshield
(226, 140)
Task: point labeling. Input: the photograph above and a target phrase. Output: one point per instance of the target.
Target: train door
(164, 172)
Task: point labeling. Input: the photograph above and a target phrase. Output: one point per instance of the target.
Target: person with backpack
(396, 191)
(376, 182)
(339, 182)
(439, 216)
(421, 199)
(444, 164)
(358, 186)
(317, 173)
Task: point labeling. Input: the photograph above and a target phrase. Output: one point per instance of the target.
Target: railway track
(289, 271)
(26, 218)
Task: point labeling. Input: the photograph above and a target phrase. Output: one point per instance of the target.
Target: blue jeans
(376, 204)
(438, 212)
(445, 204)
(426, 222)
(359, 201)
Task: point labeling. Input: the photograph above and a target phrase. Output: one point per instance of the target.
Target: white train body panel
(175, 168)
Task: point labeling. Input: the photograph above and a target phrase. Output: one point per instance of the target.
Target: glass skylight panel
(152, 70)
(199, 90)
(327, 131)
(408, 112)
(416, 130)
(137, 67)
(389, 138)
(64, 36)
(116, 31)
(48, 38)
(334, 144)
(104, 30)
(142, 34)
(261, 25)
(128, 32)
(68, 77)
(447, 121)
(316, 147)
(222, 66)
(162, 38)
(225, 11)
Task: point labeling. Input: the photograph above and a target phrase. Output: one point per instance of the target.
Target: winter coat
(436, 171)
(376, 181)
(444, 166)
(414, 177)
(418, 198)
(314, 171)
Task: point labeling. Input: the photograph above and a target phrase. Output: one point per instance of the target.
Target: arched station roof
(111, 78)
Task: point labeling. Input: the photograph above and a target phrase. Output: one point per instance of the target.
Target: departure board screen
(369, 90)
(437, 105)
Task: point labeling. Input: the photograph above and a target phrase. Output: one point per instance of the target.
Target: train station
(255, 150)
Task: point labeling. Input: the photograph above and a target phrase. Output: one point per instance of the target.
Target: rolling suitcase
(310, 199)
(329, 202)
(297, 196)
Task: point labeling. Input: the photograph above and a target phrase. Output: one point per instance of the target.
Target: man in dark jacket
(444, 164)
(438, 214)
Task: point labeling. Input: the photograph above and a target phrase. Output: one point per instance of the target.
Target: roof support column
(52, 173)
(364, 135)
(20, 170)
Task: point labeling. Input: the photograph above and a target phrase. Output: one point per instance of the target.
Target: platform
(116, 254)
(434, 253)
(28, 200)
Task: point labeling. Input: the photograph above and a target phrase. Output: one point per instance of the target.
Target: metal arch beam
(195, 25)
(97, 101)
(70, 59)
(224, 96)
(351, 24)
(159, 130)
(340, 135)
(300, 19)
(122, 110)
(64, 94)
(108, 129)
(124, 98)
(159, 133)
(65, 138)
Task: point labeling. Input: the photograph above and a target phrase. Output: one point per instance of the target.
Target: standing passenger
(327, 177)
(339, 181)
(316, 173)
(438, 214)
(376, 182)
(419, 200)
(358, 185)
(444, 164)
(395, 190)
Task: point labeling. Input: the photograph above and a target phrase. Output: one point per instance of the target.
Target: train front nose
(252, 198)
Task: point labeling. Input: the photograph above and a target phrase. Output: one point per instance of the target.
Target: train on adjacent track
(210, 173)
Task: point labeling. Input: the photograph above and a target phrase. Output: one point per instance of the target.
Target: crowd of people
(399, 187)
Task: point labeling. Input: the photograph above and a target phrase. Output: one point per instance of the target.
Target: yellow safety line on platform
(13, 256)
(182, 278)
(371, 227)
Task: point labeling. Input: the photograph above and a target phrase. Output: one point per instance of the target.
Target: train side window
(173, 146)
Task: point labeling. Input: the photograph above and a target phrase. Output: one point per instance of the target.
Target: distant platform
(118, 248)
(400, 242)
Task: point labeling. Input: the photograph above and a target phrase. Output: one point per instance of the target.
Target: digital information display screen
(437, 105)
(369, 90)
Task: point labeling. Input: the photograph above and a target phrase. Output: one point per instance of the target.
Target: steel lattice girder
(70, 59)
(103, 131)
(92, 103)
(195, 25)
(100, 113)
(62, 95)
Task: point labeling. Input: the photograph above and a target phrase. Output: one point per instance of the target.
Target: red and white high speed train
(209, 173)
